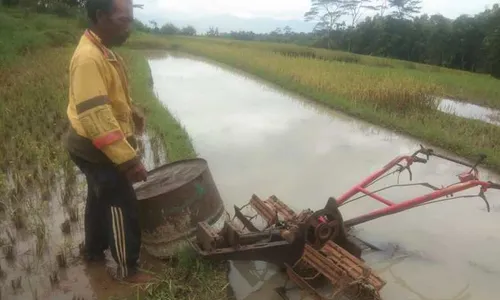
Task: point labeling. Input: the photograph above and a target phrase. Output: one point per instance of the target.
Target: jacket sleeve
(93, 108)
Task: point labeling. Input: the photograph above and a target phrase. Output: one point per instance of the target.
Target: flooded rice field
(41, 235)
(260, 139)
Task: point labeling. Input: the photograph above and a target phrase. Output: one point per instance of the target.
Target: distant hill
(227, 23)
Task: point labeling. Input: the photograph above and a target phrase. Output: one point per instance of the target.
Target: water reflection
(151, 150)
(470, 111)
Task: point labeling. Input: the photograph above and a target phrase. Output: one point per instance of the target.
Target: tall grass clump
(22, 33)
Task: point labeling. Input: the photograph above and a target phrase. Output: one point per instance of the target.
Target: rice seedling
(35, 294)
(45, 194)
(9, 252)
(66, 227)
(61, 260)
(40, 232)
(40, 247)
(2, 273)
(3, 205)
(73, 214)
(27, 264)
(11, 236)
(54, 279)
(10, 255)
(19, 219)
(16, 283)
(66, 197)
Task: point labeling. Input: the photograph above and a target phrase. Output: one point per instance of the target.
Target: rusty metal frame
(271, 210)
(286, 242)
(233, 244)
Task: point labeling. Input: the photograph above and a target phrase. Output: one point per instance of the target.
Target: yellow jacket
(100, 107)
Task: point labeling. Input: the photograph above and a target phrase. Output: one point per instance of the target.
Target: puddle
(470, 111)
(30, 264)
(259, 139)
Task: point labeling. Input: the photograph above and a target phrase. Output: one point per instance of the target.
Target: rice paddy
(397, 97)
(42, 196)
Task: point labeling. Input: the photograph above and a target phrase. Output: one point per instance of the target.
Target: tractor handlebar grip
(494, 185)
(419, 159)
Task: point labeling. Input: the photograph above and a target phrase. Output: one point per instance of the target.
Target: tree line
(396, 30)
(166, 29)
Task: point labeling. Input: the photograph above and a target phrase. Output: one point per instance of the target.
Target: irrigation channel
(260, 139)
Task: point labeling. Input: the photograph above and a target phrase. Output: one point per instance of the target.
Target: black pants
(111, 219)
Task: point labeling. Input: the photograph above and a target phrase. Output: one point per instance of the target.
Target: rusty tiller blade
(348, 275)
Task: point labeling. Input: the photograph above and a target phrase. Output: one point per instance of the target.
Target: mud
(260, 139)
(41, 234)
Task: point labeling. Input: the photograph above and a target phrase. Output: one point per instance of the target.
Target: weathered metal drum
(172, 201)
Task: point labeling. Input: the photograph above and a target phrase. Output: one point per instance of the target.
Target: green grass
(23, 33)
(189, 278)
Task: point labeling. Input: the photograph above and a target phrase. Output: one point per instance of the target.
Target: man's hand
(139, 120)
(137, 173)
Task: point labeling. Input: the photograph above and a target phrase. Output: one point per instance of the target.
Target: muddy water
(40, 257)
(259, 139)
(470, 111)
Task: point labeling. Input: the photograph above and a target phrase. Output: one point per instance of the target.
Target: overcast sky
(284, 9)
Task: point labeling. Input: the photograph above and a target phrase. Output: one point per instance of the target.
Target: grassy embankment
(34, 57)
(391, 93)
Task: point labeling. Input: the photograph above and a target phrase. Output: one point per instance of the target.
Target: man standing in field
(101, 139)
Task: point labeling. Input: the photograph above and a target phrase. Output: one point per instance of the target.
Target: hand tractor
(315, 248)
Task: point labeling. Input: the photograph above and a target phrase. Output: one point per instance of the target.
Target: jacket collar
(96, 40)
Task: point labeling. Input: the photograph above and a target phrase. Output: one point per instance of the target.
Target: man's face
(118, 24)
